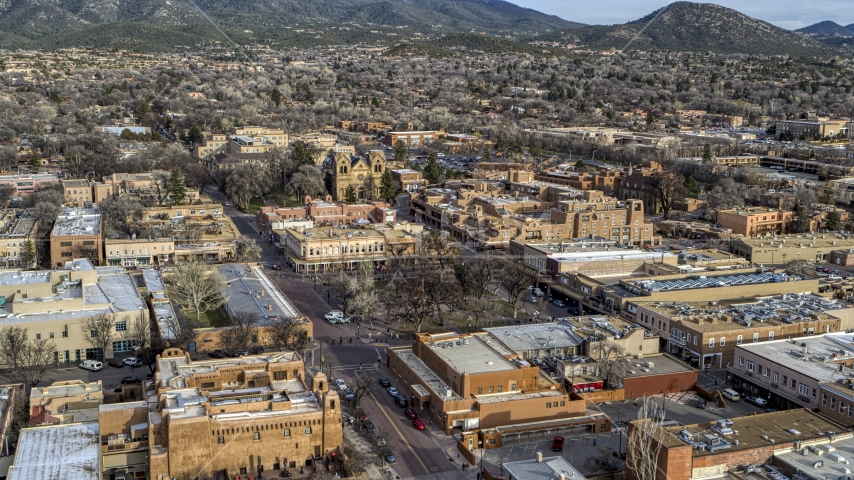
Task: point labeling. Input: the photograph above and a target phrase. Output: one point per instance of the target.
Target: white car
(834, 277)
(392, 391)
(132, 362)
(334, 314)
(341, 384)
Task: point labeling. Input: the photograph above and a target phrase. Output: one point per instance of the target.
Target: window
(823, 399)
(287, 432)
(93, 334)
(792, 384)
(480, 390)
(256, 436)
(500, 388)
(750, 366)
(548, 405)
(738, 340)
(776, 377)
(785, 380)
(767, 372)
(770, 336)
(38, 336)
(803, 389)
(220, 440)
(50, 334)
(740, 361)
(755, 337)
(833, 403)
(723, 341)
(841, 406)
(711, 342)
(208, 385)
(491, 389)
(64, 244)
(308, 430)
(812, 394)
(562, 404)
(89, 243)
(122, 326)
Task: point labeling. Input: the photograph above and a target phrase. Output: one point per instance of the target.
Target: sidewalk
(371, 469)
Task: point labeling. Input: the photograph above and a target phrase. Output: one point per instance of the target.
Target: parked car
(340, 383)
(418, 424)
(334, 314)
(91, 365)
(532, 299)
(276, 266)
(130, 380)
(400, 401)
(759, 402)
(701, 403)
(217, 354)
(132, 362)
(369, 425)
(384, 383)
(834, 277)
(239, 353)
(256, 350)
(116, 363)
(392, 391)
(348, 395)
(559, 303)
(410, 414)
(557, 444)
(389, 457)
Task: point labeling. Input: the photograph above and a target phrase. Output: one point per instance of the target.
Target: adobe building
(755, 221)
(713, 449)
(76, 234)
(474, 385)
(781, 249)
(215, 417)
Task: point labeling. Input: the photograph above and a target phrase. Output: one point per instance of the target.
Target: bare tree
(362, 293)
(242, 328)
(28, 358)
(667, 188)
(479, 274)
(360, 386)
(287, 333)
(245, 249)
(99, 331)
(612, 364)
(644, 442)
(178, 334)
(515, 277)
(196, 286)
(605, 461)
(355, 461)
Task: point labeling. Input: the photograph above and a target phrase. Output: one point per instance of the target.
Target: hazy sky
(790, 14)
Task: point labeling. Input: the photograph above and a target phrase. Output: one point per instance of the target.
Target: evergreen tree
(432, 170)
(29, 254)
(692, 186)
(35, 161)
(387, 190)
(580, 166)
(833, 224)
(303, 154)
(276, 97)
(177, 189)
(350, 195)
(707, 153)
(400, 150)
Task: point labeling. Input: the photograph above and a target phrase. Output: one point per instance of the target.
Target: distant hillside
(697, 27)
(162, 24)
(445, 46)
(828, 27)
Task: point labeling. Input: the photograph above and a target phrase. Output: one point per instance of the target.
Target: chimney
(539, 457)
(562, 476)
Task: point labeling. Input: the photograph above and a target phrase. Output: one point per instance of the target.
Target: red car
(557, 444)
(418, 424)
(410, 414)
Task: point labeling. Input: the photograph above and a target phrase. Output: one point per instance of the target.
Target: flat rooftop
(58, 451)
(814, 356)
(821, 451)
(518, 395)
(703, 281)
(660, 365)
(153, 280)
(550, 468)
(520, 338)
(739, 314)
(469, 354)
(172, 371)
(425, 375)
(834, 241)
(757, 431)
(78, 221)
(243, 293)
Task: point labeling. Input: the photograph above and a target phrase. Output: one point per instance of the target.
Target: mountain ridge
(149, 25)
(828, 27)
(698, 27)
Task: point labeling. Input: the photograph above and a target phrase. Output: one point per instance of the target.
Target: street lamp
(593, 155)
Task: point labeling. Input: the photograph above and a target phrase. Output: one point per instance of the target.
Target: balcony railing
(677, 339)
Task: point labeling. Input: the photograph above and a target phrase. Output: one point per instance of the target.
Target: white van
(92, 365)
(731, 394)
